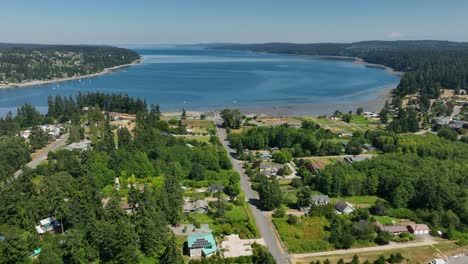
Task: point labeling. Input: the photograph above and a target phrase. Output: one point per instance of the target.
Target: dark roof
(216, 187)
(341, 205)
(320, 198)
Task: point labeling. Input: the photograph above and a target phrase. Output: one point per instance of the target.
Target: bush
(279, 213)
(292, 220)
(383, 238)
(402, 213)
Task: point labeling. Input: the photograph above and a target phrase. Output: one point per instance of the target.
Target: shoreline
(356, 60)
(59, 80)
(361, 61)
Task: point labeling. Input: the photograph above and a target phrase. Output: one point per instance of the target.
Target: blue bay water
(199, 79)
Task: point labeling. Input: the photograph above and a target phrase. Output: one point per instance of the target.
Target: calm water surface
(199, 79)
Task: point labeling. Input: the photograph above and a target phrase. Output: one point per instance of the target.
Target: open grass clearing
(307, 236)
(359, 201)
(386, 220)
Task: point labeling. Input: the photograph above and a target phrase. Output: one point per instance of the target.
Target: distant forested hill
(25, 62)
(428, 65)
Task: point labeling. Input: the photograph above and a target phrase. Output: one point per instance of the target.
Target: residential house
(213, 188)
(49, 224)
(114, 116)
(36, 253)
(265, 154)
(317, 200)
(201, 245)
(25, 134)
(346, 134)
(392, 229)
(351, 159)
(270, 169)
(197, 206)
(320, 199)
(368, 147)
(343, 207)
(82, 145)
(455, 125)
(419, 229)
(129, 208)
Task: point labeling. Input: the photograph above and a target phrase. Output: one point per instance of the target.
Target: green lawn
(386, 220)
(360, 201)
(362, 120)
(237, 214)
(308, 236)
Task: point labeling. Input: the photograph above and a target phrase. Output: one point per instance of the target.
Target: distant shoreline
(59, 80)
(358, 60)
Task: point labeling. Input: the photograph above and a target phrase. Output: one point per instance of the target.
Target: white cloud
(395, 34)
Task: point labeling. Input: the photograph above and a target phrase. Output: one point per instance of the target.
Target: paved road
(366, 249)
(43, 155)
(271, 239)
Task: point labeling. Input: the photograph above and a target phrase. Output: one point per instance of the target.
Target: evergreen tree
(123, 137)
(50, 106)
(171, 255)
(172, 198)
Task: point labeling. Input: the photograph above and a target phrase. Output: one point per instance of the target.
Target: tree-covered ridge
(426, 63)
(43, 62)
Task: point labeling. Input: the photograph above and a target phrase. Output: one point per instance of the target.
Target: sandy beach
(372, 105)
(58, 80)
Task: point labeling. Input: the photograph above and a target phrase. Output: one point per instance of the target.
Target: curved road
(43, 155)
(264, 226)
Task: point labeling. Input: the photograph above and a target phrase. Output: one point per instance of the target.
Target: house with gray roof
(343, 207)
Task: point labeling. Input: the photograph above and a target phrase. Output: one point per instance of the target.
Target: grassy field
(417, 255)
(308, 236)
(386, 220)
(359, 123)
(362, 120)
(359, 201)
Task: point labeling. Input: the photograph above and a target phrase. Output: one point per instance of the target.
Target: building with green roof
(201, 245)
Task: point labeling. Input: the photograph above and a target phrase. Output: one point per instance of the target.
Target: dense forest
(428, 65)
(78, 189)
(20, 63)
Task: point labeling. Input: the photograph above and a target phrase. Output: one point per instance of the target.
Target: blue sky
(124, 22)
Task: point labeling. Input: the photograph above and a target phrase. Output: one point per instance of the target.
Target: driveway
(271, 238)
